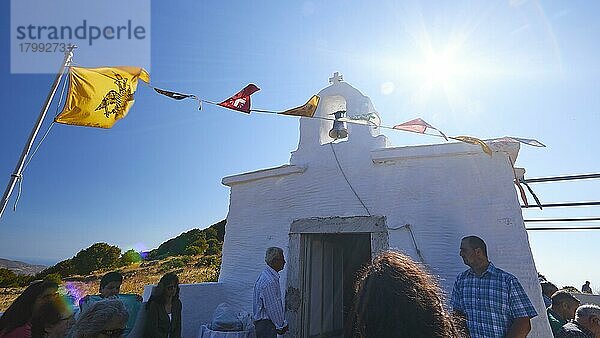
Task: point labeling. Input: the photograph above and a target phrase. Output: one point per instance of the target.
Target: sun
(438, 69)
(444, 75)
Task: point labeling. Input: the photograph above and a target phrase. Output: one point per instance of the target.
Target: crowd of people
(41, 312)
(567, 317)
(393, 297)
(397, 297)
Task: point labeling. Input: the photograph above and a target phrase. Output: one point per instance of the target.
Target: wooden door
(323, 287)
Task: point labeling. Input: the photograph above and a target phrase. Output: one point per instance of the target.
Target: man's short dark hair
(476, 242)
(548, 288)
(562, 296)
(113, 276)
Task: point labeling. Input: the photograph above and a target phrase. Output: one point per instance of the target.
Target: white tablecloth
(205, 332)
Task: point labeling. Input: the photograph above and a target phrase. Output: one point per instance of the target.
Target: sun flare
(436, 75)
(438, 70)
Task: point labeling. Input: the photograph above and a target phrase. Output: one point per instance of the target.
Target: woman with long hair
(105, 318)
(163, 310)
(395, 297)
(51, 320)
(16, 321)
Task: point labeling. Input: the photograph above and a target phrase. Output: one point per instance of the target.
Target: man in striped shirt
(268, 308)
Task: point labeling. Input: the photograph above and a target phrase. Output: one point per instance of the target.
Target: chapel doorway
(329, 268)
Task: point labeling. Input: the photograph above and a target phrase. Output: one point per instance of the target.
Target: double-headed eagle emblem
(115, 102)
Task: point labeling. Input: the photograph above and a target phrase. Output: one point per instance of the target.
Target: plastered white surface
(444, 191)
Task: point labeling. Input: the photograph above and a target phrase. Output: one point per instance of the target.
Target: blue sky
(479, 68)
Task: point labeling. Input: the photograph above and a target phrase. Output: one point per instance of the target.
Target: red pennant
(417, 126)
(241, 100)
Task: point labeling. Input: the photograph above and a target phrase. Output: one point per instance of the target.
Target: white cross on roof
(336, 78)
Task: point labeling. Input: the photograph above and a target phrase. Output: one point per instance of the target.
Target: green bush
(9, 279)
(129, 257)
(208, 261)
(98, 256)
(193, 242)
(174, 263)
(194, 250)
(63, 268)
(214, 247)
(55, 277)
(211, 233)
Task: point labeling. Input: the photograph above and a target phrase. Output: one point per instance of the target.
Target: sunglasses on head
(113, 333)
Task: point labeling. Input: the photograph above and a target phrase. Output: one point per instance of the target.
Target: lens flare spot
(387, 88)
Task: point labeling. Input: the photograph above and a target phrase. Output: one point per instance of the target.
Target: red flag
(417, 126)
(241, 100)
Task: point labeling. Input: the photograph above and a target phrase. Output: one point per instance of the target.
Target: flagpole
(16, 175)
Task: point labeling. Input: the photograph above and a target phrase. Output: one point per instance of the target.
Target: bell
(340, 129)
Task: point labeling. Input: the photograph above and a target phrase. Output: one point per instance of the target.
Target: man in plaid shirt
(490, 300)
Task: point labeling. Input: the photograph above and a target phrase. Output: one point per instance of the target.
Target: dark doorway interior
(331, 263)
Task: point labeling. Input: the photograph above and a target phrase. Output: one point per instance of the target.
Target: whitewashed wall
(444, 191)
(587, 298)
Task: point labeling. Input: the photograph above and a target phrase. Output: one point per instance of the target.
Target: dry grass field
(190, 269)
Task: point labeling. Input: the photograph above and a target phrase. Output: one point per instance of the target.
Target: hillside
(195, 256)
(21, 268)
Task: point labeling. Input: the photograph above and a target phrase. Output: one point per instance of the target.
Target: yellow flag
(307, 110)
(475, 141)
(99, 97)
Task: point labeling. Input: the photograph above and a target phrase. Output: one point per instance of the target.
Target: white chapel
(337, 203)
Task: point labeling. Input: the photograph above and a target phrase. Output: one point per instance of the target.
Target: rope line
(346, 178)
(20, 176)
(200, 101)
(62, 92)
(263, 111)
(412, 235)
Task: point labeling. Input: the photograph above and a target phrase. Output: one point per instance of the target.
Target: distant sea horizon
(33, 260)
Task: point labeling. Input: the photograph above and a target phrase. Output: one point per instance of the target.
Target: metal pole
(565, 204)
(577, 219)
(16, 175)
(562, 178)
(564, 228)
